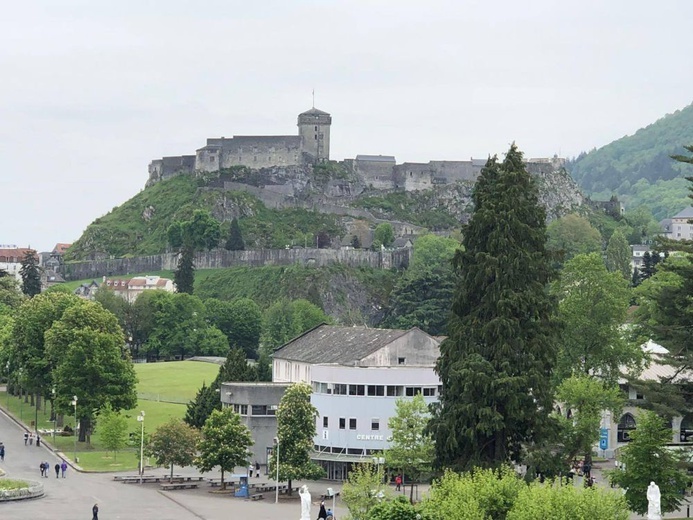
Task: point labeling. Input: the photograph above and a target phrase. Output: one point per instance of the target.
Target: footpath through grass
(178, 380)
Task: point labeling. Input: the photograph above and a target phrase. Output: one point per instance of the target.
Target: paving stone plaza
(74, 496)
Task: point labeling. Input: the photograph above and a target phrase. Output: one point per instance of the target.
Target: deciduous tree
(384, 235)
(496, 364)
(363, 490)
(573, 235)
(225, 443)
(411, 449)
(295, 430)
(648, 459)
(174, 443)
(113, 429)
(618, 255)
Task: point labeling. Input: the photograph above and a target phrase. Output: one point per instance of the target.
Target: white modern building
(679, 227)
(357, 375)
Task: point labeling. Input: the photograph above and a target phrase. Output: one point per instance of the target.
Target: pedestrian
(257, 469)
(95, 512)
(330, 515)
(250, 471)
(26, 437)
(63, 468)
(2, 452)
(31, 439)
(398, 483)
(42, 468)
(38, 441)
(322, 514)
(57, 470)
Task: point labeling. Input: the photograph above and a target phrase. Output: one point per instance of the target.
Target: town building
(679, 226)
(11, 258)
(357, 375)
(130, 289)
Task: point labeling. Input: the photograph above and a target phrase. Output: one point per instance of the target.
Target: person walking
(95, 512)
(31, 439)
(2, 452)
(57, 470)
(398, 483)
(63, 468)
(250, 471)
(26, 437)
(42, 467)
(257, 469)
(38, 441)
(322, 514)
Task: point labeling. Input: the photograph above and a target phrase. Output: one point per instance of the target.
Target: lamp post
(276, 460)
(74, 403)
(140, 418)
(7, 385)
(55, 417)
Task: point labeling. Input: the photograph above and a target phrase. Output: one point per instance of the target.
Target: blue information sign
(604, 438)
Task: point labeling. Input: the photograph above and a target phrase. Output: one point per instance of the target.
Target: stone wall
(96, 269)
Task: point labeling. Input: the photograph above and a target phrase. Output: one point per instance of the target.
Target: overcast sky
(91, 91)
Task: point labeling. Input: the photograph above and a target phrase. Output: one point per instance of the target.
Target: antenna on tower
(313, 98)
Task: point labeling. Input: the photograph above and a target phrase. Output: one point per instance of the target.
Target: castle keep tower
(314, 129)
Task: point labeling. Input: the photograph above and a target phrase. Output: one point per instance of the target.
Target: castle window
(211, 158)
(316, 128)
(316, 137)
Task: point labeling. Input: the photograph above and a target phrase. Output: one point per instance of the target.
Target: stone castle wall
(96, 269)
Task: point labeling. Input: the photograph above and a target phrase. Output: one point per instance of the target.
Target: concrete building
(679, 227)
(131, 288)
(618, 429)
(357, 375)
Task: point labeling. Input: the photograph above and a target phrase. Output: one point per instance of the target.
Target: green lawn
(174, 381)
(170, 381)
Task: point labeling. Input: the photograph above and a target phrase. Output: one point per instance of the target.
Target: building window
(429, 392)
(259, 409)
(395, 391)
(339, 389)
(352, 423)
(241, 409)
(357, 390)
(401, 360)
(411, 391)
(375, 424)
(378, 390)
(625, 426)
(316, 128)
(639, 396)
(316, 137)
(342, 423)
(211, 158)
(325, 421)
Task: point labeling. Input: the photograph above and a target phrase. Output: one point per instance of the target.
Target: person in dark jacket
(95, 512)
(323, 513)
(57, 470)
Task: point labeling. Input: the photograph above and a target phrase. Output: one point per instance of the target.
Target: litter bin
(242, 490)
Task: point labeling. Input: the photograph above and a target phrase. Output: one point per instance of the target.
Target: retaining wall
(35, 490)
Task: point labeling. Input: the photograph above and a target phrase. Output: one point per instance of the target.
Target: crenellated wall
(252, 258)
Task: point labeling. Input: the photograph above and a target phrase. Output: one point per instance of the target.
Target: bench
(179, 485)
(257, 496)
(325, 497)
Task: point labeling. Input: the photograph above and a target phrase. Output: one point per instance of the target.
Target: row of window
(375, 423)
(374, 390)
(348, 451)
(255, 409)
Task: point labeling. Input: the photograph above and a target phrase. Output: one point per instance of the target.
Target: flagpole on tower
(313, 98)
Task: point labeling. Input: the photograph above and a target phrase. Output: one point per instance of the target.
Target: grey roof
(685, 213)
(341, 345)
(376, 158)
(401, 242)
(314, 112)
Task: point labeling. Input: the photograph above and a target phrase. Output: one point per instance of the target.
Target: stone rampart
(220, 258)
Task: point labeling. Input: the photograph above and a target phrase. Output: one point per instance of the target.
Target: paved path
(74, 496)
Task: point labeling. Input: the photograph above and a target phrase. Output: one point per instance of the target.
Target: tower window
(316, 128)
(316, 137)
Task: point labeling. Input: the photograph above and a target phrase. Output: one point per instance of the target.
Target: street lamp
(276, 461)
(74, 403)
(140, 418)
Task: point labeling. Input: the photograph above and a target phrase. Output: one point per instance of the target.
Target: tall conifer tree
(496, 364)
(235, 240)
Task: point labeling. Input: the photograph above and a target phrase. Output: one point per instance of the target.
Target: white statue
(654, 508)
(305, 502)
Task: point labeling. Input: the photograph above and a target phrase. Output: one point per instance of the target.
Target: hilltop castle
(311, 146)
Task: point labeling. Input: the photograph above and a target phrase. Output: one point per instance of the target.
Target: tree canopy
(496, 364)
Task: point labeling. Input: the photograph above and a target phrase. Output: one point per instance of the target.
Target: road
(74, 496)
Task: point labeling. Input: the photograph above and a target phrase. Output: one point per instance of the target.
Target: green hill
(638, 168)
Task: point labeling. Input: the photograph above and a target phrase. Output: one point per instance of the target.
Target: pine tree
(496, 365)
(30, 273)
(184, 275)
(235, 240)
(206, 401)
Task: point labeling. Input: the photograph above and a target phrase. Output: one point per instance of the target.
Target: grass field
(168, 381)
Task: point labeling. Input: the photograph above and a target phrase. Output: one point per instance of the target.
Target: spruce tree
(30, 273)
(496, 364)
(235, 240)
(184, 275)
